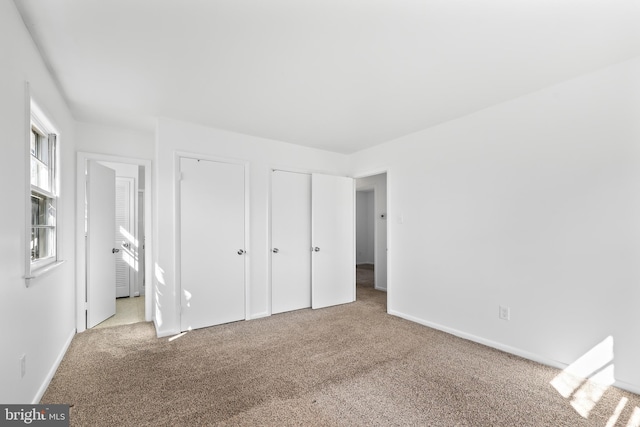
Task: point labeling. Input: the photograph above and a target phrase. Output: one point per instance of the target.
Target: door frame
(177, 155)
(389, 213)
(81, 291)
(368, 189)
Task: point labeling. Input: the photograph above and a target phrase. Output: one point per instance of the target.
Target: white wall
(365, 227)
(114, 141)
(38, 321)
(262, 155)
(378, 183)
(532, 204)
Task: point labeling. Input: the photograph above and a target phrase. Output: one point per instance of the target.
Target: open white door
(291, 241)
(333, 267)
(126, 259)
(212, 254)
(101, 267)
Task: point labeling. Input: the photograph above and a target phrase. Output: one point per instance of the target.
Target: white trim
(503, 347)
(627, 386)
(248, 252)
(367, 189)
(81, 160)
(177, 239)
(269, 295)
(27, 189)
(41, 271)
(371, 173)
(52, 371)
(480, 340)
(353, 237)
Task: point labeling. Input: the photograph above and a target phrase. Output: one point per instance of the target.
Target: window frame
(39, 123)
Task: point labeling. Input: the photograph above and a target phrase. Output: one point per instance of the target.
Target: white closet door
(333, 239)
(124, 237)
(212, 257)
(101, 267)
(291, 241)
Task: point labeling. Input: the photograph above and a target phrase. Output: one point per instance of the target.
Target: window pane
(43, 177)
(36, 208)
(43, 156)
(41, 172)
(40, 176)
(40, 147)
(43, 210)
(42, 243)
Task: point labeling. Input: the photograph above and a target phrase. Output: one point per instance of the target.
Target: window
(43, 247)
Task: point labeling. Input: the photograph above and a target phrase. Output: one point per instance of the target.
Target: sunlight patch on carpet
(586, 380)
(175, 337)
(634, 421)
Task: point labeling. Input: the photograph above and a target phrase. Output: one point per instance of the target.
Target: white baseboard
(483, 341)
(508, 349)
(627, 386)
(54, 368)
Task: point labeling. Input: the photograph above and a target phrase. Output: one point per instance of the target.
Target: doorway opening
(125, 293)
(129, 310)
(371, 234)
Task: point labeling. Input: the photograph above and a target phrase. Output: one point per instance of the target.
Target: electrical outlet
(504, 313)
(23, 365)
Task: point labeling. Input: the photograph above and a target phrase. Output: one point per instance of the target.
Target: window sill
(42, 271)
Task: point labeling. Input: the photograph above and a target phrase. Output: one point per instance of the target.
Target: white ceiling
(340, 75)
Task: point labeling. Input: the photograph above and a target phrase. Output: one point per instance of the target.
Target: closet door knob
(316, 249)
(275, 250)
(115, 251)
(240, 251)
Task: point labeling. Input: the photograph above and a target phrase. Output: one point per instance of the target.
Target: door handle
(275, 250)
(240, 251)
(316, 249)
(126, 245)
(115, 251)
